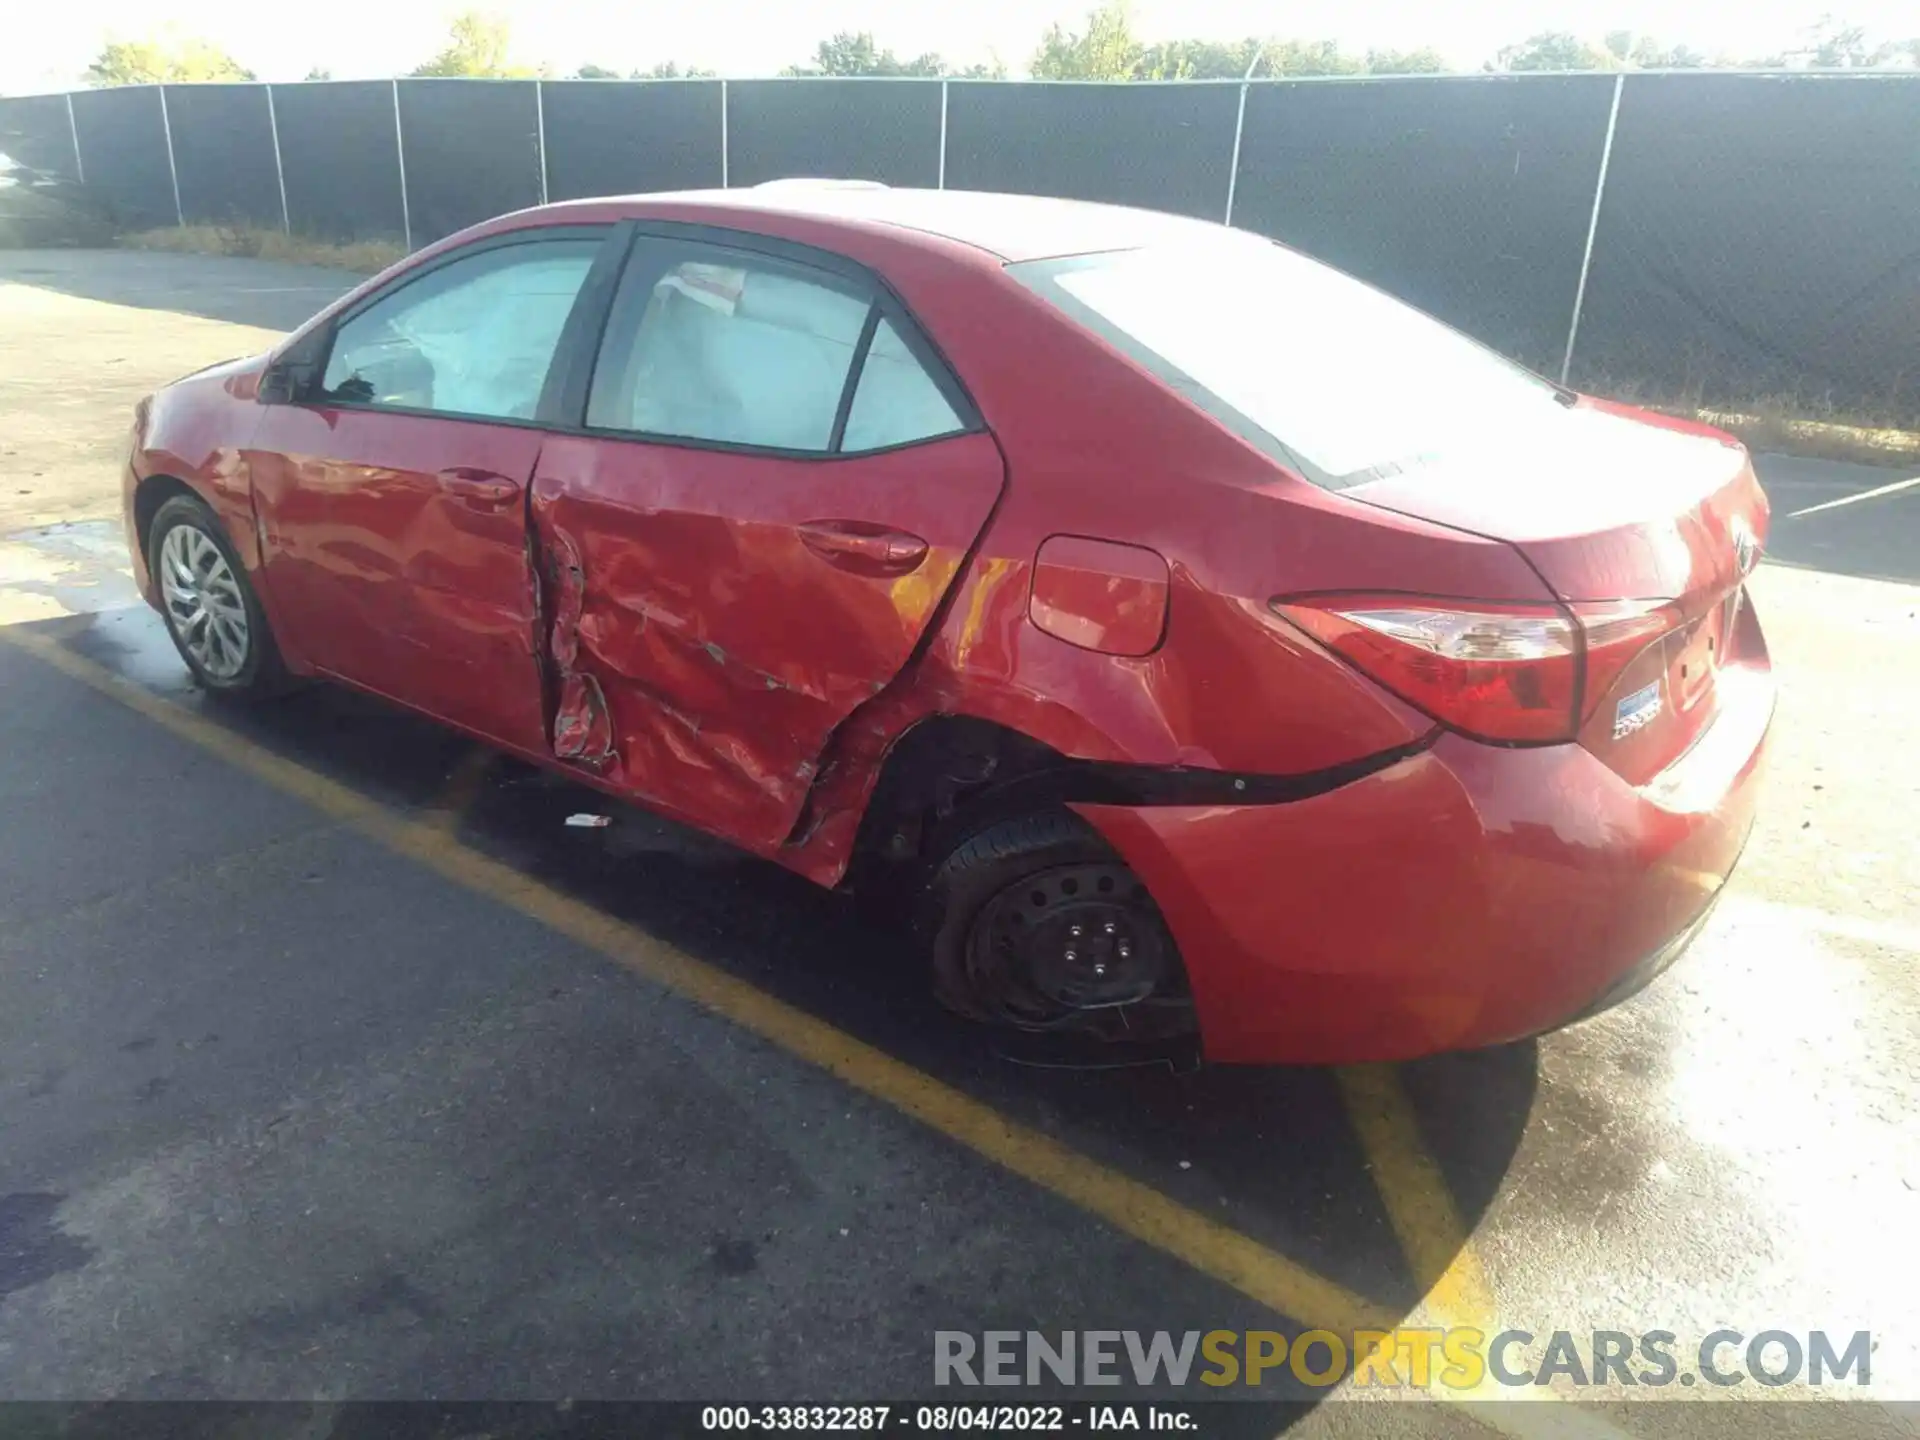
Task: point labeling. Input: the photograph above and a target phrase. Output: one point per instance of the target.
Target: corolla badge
(1636, 711)
(1746, 545)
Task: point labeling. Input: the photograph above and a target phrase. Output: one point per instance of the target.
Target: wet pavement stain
(33, 1248)
(734, 1257)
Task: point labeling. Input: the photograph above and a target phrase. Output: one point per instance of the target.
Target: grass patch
(1784, 433)
(1802, 423)
(368, 257)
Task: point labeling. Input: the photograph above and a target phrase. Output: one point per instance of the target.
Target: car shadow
(1267, 1151)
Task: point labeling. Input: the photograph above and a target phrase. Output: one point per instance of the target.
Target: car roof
(1009, 227)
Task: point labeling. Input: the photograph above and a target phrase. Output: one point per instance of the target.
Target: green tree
(1234, 59)
(1196, 60)
(1832, 44)
(161, 61)
(476, 45)
(670, 70)
(319, 72)
(1837, 46)
(1554, 50)
(595, 72)
(992, 69)
(1308, 57)
(1105, 50)
(854, 52)
(1630, 51)
(1424, 61)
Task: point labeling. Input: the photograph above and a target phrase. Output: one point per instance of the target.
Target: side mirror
(286, 381)
(291, 376)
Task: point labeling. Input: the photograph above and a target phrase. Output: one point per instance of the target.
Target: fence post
(173, 170)
(279, 169)
(1233, 172)
(941, 182)
(400, 153)
(1593, 226)
(73, 128)
(540, 131)
(724, 183)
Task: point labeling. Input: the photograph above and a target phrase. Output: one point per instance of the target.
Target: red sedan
(1214, 643)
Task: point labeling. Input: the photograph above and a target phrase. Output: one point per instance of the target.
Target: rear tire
(211, 611)
(1036, 924)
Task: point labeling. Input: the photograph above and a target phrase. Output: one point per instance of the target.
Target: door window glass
(473, 337)
(733, 349)
(897, 401)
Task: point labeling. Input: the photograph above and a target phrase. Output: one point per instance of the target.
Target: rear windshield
(1334, 378)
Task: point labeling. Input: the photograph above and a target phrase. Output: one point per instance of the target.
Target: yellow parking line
(1129, 1206)
(460, 789)
(1439, 1248)
(1420, 1207)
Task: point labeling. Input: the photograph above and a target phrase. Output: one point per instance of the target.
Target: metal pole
(723, 135)
(540, 129)
(79, 170)
(279, 169)
(400, 153)
(1593, 227)
(1233, 172)
(166, 126)
(941, 183)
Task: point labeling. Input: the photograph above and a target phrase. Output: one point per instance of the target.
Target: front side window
(732, 348)
(471, 337)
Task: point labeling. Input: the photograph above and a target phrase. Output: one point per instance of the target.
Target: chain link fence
(1721, 239)
(1758, 245)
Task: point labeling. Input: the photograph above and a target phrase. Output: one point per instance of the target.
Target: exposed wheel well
(153, 492)
(947, 777)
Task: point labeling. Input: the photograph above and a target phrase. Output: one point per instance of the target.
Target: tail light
(1512, 673)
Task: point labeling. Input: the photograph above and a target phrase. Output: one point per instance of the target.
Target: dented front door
(396, 558)
(391, 490)
(716, 615)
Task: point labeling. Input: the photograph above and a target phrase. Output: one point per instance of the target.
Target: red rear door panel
(396, 556)
(730, 610)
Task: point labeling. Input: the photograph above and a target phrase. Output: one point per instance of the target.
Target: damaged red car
(1218, 647)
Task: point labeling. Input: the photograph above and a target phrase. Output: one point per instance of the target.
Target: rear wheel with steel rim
(1039, 926)
(209, 606)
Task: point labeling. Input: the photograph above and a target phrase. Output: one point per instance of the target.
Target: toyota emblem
(1746, 546)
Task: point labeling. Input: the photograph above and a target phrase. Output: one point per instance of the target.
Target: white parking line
(1896, 486)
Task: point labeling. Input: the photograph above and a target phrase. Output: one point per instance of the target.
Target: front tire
(211, 611)
(1036, 924)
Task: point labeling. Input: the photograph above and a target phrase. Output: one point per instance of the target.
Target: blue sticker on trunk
(1636, 711)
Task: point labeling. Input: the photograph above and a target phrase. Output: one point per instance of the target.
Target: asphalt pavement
(335, 1065)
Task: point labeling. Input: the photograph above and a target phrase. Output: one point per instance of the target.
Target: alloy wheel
(204, 606)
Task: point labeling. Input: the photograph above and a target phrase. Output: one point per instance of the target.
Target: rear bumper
(1467, 896)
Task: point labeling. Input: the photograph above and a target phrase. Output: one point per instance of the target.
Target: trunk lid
(1611, 504)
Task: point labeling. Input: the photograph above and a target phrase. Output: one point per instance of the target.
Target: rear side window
(472, 337)
(732, 348)
(897, 401)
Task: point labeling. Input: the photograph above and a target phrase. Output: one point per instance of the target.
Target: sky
(376, 38)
